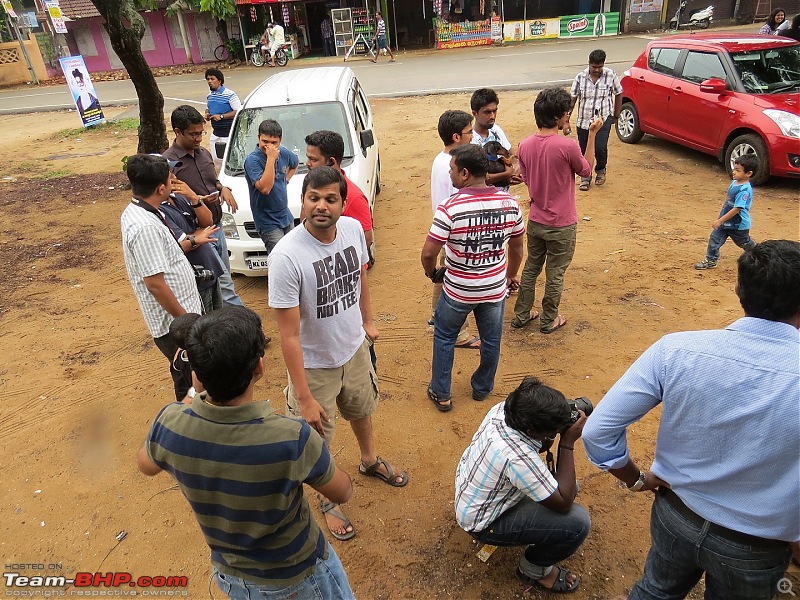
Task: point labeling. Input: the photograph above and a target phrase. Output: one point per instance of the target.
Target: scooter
(698, 18)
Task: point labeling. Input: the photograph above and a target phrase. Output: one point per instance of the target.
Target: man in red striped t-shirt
(474, 225)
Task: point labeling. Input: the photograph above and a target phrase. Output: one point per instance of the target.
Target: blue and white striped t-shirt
(219, 102)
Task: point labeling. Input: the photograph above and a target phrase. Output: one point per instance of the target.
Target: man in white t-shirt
(484, 104)
(318, 286)
(455, 129)
(276, 39)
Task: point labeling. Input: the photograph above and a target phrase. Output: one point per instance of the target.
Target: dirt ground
(81, 380)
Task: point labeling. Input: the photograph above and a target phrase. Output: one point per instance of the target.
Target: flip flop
(440, 404)
(373, 471)
(473, 343)
(517, 324)
(600, 179)
(557, 324)
(330, 507)
(584, 186)
(559, 587)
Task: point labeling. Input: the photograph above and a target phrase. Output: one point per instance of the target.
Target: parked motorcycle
(698, 18)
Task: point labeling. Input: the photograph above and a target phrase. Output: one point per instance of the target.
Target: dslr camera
(581, 403)
(202, 275)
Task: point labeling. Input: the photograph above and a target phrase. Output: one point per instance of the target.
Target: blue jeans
(273, 236)
(450, 316)
(682, 551)
(600, 146)
(740, 237)
(229, 295)
(550, 536)
(329, 582)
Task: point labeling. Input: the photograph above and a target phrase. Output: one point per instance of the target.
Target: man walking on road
(548, 164)
(598, 93)
(223, 104)
(473, 226)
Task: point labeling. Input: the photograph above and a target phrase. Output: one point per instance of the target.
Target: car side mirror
(367, 139)
(714, 86)
(219, 148)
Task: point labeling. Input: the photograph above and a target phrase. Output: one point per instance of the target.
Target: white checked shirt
(149, 248)
(500, 467)
(595, 96)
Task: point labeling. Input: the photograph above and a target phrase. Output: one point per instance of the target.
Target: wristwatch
(639, 482)
(192, 241)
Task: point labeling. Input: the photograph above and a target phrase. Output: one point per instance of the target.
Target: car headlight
(228, 224)
(788, 123)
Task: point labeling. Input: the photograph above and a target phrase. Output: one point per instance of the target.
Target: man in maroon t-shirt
(548, 165)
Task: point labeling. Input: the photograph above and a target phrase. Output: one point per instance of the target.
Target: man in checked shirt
(598, 93)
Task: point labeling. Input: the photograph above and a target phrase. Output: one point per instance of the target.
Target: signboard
(541, 29)
(464, 43)
(56, 16)
(497, 30)
(82, 89)
(589, 25)
(9, 9)
(643, 6)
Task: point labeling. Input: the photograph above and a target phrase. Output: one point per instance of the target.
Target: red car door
(654, 85)
(696, 118)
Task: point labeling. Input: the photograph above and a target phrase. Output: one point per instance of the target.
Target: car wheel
(378, 178)
(749, 143)
(628, 129)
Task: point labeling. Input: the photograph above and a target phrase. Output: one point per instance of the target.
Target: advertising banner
(589, 25)
(513, 31)
(9, 9)
(82, 89)
(56, 16)
(643, 6)
(541, 29)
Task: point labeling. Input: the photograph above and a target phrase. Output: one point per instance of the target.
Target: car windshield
(769, 71)
(296, 120)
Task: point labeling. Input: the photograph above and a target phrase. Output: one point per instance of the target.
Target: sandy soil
(81, 380)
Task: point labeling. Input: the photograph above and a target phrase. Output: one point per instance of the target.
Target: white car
(302, 101)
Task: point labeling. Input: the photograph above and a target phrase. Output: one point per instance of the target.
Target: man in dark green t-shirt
(242, 468)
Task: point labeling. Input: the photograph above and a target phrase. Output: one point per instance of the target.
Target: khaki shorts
(352, 388)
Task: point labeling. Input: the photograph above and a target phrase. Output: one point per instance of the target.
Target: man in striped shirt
(380, 38)
(474, 226)
(507, 496)
(223, 104)
(598, 93)
(159, 272)
(242, 468)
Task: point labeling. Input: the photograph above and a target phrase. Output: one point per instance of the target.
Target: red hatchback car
(724, 94)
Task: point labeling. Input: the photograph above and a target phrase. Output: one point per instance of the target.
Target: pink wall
(164, 54)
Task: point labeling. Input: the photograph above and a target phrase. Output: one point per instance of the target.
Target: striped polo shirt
(474, 225)
(219, 102)
(595, 96)
(242, 469)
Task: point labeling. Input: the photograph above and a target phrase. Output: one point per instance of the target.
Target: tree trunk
(125, 29)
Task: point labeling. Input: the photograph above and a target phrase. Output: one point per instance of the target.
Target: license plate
(256, 263)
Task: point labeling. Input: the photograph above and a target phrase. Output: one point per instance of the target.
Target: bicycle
(259, 58)
(225, 52)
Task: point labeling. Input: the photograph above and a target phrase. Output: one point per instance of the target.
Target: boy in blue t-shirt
(268, 170)
(734, 218)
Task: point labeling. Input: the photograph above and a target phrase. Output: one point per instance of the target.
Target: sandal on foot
(473, 343)
(559, 587)
(557, 324)
(600, 179)
(517, 324)
(330, 508)
(440, 403)
(373, 470)
(584, 186)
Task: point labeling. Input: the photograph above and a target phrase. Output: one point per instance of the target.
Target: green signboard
(591, 25)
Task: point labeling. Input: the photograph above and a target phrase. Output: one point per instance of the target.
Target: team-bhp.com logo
(91, 584)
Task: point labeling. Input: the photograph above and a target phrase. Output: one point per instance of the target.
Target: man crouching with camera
(506, 495)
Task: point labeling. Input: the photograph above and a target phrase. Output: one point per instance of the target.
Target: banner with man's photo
(83, 93)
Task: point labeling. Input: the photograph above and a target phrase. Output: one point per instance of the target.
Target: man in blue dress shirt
(725, 473)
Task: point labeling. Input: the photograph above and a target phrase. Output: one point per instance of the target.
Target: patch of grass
(53, 174)
(126, 124)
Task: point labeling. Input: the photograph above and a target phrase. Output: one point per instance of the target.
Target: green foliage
(127, 124)
(124, 161)
(221, 9)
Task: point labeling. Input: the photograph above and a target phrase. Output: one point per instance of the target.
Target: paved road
(520, 66)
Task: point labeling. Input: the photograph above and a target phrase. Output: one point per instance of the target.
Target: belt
(734, 536)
